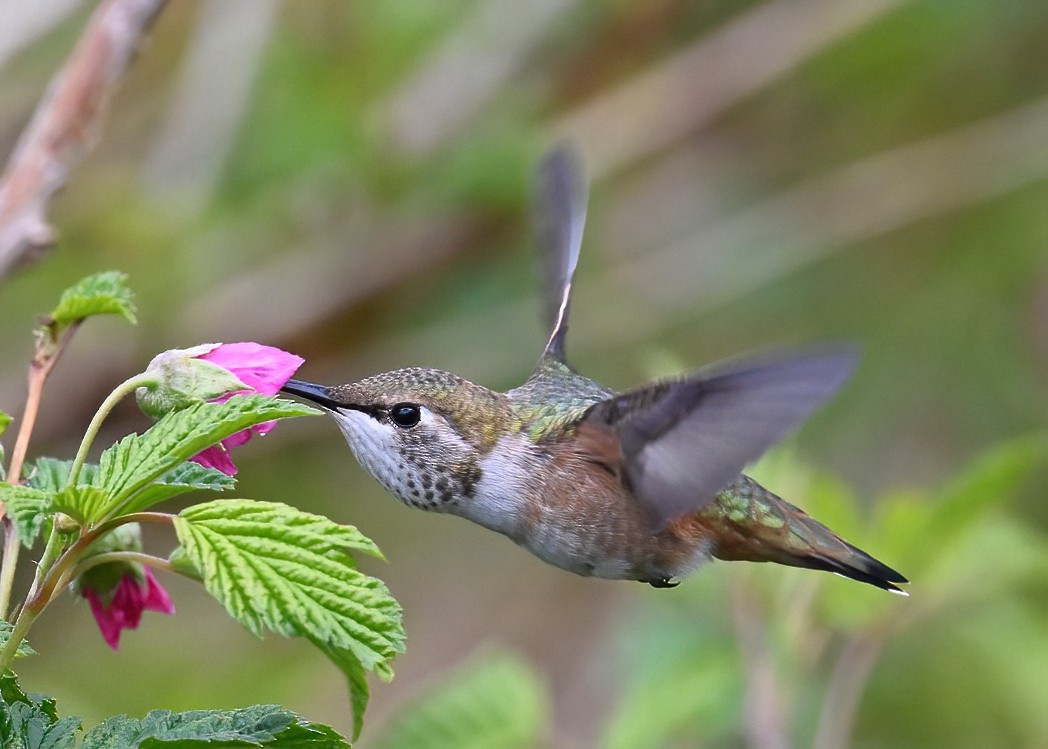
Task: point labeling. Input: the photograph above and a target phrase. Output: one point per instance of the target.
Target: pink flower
(125, 604)
(262, 369)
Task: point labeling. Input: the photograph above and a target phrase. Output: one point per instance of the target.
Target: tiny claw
(663, 582)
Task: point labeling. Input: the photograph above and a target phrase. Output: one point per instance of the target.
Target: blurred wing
(683, 442)
(560, 216)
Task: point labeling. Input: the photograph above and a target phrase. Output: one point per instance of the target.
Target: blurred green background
(350, 181)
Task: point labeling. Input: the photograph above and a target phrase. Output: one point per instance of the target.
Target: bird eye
(405, 415)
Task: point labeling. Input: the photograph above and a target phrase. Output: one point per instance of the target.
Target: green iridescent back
(554, 398)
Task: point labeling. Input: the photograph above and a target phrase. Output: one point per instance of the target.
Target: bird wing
(560, 217)
(682, 442)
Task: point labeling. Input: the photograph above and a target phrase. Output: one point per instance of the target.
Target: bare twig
(658, 107)
(450, 87)
(765, 722)
(217, 76)
(63, 125)
(48, 351)
(847, 683)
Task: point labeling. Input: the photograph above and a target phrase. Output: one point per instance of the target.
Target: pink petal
(126, 604)
(262, 368)
(216, 457)
(107, 624)
(156, 598)
(130, 598)
(241, 437)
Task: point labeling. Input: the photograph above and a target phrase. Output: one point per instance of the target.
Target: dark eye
(405, 415)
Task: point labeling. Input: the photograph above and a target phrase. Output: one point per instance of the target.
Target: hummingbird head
(421, 433)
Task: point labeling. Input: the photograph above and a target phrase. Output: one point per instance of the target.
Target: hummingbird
(642, 485)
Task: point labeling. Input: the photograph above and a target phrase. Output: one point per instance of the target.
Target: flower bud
(183, 378)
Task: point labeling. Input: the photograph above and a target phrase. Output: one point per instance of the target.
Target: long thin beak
(318, 394)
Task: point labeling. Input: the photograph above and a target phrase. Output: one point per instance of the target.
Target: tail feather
(859, 566)
(749, 523)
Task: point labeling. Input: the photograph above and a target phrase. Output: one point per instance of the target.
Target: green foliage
(131, 465)
(28, 508)
(496, 702)
(973, 566)
(277, 568)
(51, 475)
(5, 634)
(99, 294)
(262, 726)
(31, 721)
(692, 691)
(183, 478)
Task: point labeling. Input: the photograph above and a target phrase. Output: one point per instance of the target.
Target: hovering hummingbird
(641, 485)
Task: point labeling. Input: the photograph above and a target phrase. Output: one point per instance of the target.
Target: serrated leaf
(275, 567)
(31, 721)
(498, 702)
(28, 509)
(181, 479)
(52, 474)
(263, 726)
(99, 294)
(85, 503)
(5, 635)
(129, 466)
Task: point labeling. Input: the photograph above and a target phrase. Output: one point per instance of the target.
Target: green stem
(37, 600)
(122, 556)
(58, 568)
(53, 574)
(125, 388)
(51, 552)
(134, 517)
(18, 633)
(7, 567)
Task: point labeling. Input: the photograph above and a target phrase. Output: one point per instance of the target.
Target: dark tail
(749, 523)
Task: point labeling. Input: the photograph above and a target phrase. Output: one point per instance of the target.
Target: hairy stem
(125, 388)
(121, 556)
(47, 353)
(37, 375)
(134, 517)
(8, 566)
(53, 574)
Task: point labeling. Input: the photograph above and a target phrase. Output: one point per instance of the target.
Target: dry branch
(64, 124)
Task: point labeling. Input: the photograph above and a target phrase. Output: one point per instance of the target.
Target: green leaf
(85, 503)
(28, 508)
(52, 474)
(31, 721)
(992, 478)
(184, 478)
(100, 294)
(129, 466)
(275, 567)
(268, 726)
(5, 420)
(5, 635)
(682, 696)
(497, 702)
